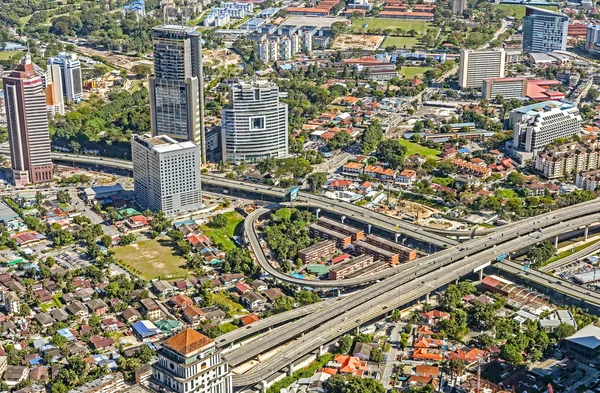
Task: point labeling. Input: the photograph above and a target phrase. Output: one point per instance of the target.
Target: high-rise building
(459, 6)
(592, 38)
(477, 65)
(70, 72)
(190, 362)
(254, 125)
(27, 122)
(176, 87)
(166, 174)
(535, 126)
(55, 103)
(544, 30)
(506, 87)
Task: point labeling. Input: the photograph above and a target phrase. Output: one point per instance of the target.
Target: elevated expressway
(431, 273)
(571, 258)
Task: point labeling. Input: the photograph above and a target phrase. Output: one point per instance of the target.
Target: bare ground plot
(123, 61)
(220, 57)
(153, 259)
(350, 41)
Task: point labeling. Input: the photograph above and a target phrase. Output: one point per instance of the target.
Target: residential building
(378, 253)
(110, 383)
(190, 362)
(320, 251)
(254, 124)
(506, 87)
(353, 168)
(537, 125)
(150, 309)
(588, 180)
(585, 344)
(27, 122)
(55, 103)
(568, 159)
(405, 254)
(321, 232)
(15, 374)
(544, 30)
(166, 174)
(592, 38)
(138, 7)
(407, 15)
(70, 74)
(176, 87)
(12, 303)
(553, 320)
(343, 269)
(459, 6)
(477, 65)
(355, 233)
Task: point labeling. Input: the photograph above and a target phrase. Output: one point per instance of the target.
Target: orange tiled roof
(187, 341)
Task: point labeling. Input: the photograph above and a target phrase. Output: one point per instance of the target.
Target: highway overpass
(435, 271)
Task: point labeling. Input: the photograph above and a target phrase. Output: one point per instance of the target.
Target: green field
(415, 148)
(411, 72)
(400, 42)
(568, 252)
(5, 55)
(221, 237)
(518, 11)
(234, 307)
(420, 26)
(153, 258)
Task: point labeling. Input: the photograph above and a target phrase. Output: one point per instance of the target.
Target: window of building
(257, 123)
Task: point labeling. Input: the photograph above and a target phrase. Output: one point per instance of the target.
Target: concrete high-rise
(166, 174)
(459, 6)
(592, 38)
(190, 362)
(28, 136)
(477, 65)
(176, 87)
(544, 30)
(254, 125)
(70, 72)
(55, 103)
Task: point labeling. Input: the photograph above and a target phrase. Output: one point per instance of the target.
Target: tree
(305, 297)
(371, 137)
(126, 239)
(515, 179)
(563, 331)
(376, 355)
(339, 140)
(593, 94)
(541, 252)
(316, 181)
(141, 70)
(391, 152)
(219, 221)
(63, 196)
(511, 353)
(184, 247)
(452, 298)
(283, 303)
(106, 241)
(345, 343)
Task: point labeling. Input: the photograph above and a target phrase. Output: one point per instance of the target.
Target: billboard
(294, 193)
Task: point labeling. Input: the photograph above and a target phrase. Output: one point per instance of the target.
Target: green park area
(221, 237)
(518, 11)
(411, 72)
(234, 307)
(415, 148)
(152, 259)
(400, 42)
(420, 26)
(8, 54)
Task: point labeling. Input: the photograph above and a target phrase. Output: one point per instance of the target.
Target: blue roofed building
(145, 329)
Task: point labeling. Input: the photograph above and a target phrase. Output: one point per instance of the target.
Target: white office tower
(190, 362)
(55, 103)
(459, 6)
(592, 39)
(477, 65)
(254, 124)
(70, 72)
(535, 126)
(166, 174)
(307, 42)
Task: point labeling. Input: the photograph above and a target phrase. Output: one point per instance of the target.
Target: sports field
(415, 148)
(152, 258)
(518, 11)
(411, 72)
(400, 42)
(420, 26)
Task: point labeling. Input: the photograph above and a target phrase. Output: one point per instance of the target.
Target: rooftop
(187, 341)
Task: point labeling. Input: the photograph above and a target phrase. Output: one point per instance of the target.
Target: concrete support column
(556, 241)
(321, 350)
(427, 298)
(585, 233)
(396, 236)
(357, 330)
(481, 275)
(290, 370)
(369, 229)
(263, 386)
(456, 282)
(343, 219)
(339, 292)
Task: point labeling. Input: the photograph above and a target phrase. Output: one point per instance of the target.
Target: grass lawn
(506, 193)
(568, 252)
(386, 23)
(153, 258)
(222, 236)
(411, 72)
(223, 298)
(5, 55)
(415, 148)
(518, 11)
(227, 327)
(400, 42)
(54, 303)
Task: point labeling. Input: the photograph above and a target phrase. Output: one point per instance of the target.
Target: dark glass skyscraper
(544, 30)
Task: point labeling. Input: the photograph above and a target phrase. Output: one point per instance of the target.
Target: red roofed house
(469, 357)
(339, 185)
(248, 319)
(351, 365)
(242, 287)
(137, 222)
(434, 316)
(423, 370)
(426, 354)
(181, 301)
(193, 314)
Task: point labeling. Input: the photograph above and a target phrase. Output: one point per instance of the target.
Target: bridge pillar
(339, 292)
(318, 211)
(290, 369)
(343, 219)
(585, 233)
(456, 282)
(321, 350)
(263, 386)
(556, 241)
(396, 236)
(427, 298)
(369, 229)
(480, 275)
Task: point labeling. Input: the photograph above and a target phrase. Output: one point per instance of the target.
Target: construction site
(355, 41)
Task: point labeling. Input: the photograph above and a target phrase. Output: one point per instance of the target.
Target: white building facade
(70, 71)
(477, 65)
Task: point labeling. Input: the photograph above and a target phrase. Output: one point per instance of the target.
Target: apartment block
(341, 239)
(166, 174)
(70, 72)
(377, 252)
(477, 65)
(506, 87)
(342, 270)
(406, 254)
(355, 233)
(321, 251)
(568, 158)
(588, 180)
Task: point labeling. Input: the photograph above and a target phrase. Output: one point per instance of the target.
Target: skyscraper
(477, 65)
(55, 103)
(166, 174)
(592, 38)
(544, 30)
(28, 136)
(190, 362)
(176, 87)
(459, 6)
(70, 72)
(254, 125)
